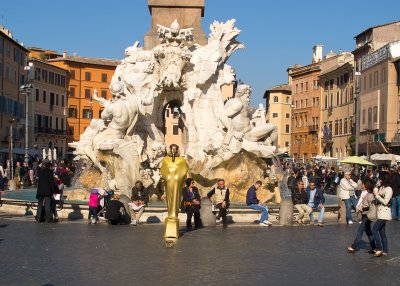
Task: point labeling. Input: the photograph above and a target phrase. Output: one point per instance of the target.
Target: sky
(277, 34)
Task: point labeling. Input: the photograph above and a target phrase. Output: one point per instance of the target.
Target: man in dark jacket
(45, 191)
(116, 213)
(316, 200)
(299, 199)
(254, 203)
(395, 185)
(139, 199)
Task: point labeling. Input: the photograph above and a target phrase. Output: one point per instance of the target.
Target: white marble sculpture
(130, 128)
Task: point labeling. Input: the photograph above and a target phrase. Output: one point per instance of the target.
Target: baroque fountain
(221, 138)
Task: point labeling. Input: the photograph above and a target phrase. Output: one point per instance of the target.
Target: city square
(197, 141)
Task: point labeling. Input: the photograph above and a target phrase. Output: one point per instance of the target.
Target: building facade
(377, 86)
(13, 57)
(49, 105)
(85, 75)
(337, 106)
(278, 106)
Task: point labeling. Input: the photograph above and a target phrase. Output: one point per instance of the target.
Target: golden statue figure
(173, 170)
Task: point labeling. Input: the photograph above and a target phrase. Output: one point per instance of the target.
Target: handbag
(372, 212)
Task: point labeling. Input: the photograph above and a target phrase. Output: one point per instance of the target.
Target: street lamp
(11, 149)
(27, 90)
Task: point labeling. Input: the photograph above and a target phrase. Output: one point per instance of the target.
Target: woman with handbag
(383, 197)
(191, 201)
(368, 214)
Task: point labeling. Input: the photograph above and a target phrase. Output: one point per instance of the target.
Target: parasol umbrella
(355, 160)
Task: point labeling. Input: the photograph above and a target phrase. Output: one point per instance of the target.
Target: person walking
(45, 191)
(367, 209)
(383, 197)
(254, 203)
(395, 180)
(192, 204)
(346, 191)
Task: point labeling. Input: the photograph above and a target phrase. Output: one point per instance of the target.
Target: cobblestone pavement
(74, 253)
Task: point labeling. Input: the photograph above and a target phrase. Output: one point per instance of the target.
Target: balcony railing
(50, 131)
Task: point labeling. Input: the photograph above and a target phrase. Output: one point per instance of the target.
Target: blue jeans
(396, 207)
(321, 214)
(364, 226)
(379, 232)
(263, 209)
(348, 203)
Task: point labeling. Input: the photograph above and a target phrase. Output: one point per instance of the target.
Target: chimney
(65, 54)
(317, 53)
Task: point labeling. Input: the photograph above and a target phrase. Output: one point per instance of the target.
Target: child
(93, 205)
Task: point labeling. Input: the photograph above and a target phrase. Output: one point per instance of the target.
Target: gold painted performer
(173, 171)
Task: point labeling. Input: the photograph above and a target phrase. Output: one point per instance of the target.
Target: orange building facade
(86, 75)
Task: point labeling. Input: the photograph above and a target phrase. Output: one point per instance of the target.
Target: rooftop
(86, 60)
(374, 27)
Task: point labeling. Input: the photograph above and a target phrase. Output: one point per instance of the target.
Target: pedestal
(286, 212)
(171, 232)
(206, 215)
(342, 212)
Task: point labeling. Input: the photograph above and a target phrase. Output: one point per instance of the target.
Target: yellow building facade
(278, 107)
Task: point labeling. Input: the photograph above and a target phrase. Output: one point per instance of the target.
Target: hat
(46, 161)
(95, 191)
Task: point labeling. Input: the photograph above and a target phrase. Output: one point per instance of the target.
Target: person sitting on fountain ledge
(140, 199)
(191, 201)
(220, 197)
(116, 212)
(254, 203)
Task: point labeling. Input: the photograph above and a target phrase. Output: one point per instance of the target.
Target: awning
(374, 147)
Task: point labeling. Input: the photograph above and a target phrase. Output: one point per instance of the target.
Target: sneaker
(300, 222)
(350, 222)
(312, 222)
(263, 224)
(350, 249)
(320, 224)
(134, 222)
(267, 222)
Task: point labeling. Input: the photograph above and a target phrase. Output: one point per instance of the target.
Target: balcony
(43, 130)
(313, 129)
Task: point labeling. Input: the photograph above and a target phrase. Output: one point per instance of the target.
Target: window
(51, 98)
(307, 86)
(313, 101)
(275, 99)
(337, 99)
(301, 89)
(104, 93)
(287, 99)
(72, 113)
(62, 124)
(72, 74)
(340, 127)
(301, 103)
(363, 116)
(331, 105)
(86, 113)
(51, 77)
(326, 101)
(37, 94)
(274, 115)
(375, 114)
(331, 82)
(306, 102)
(287, 115)
(87, 93)
(286, 143)
(345, 126)
(88, 76)
(175, 129)
(315, 86)
(370, 117)
(72, 91)
(287, 128)
(295, 104)
(44, 96)
(100, 112)
(376, 78)
(103, 77)
(365, 82)
(63, 100)
(57, 99)
(370, 80)
(336, 127)
(383, 75)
